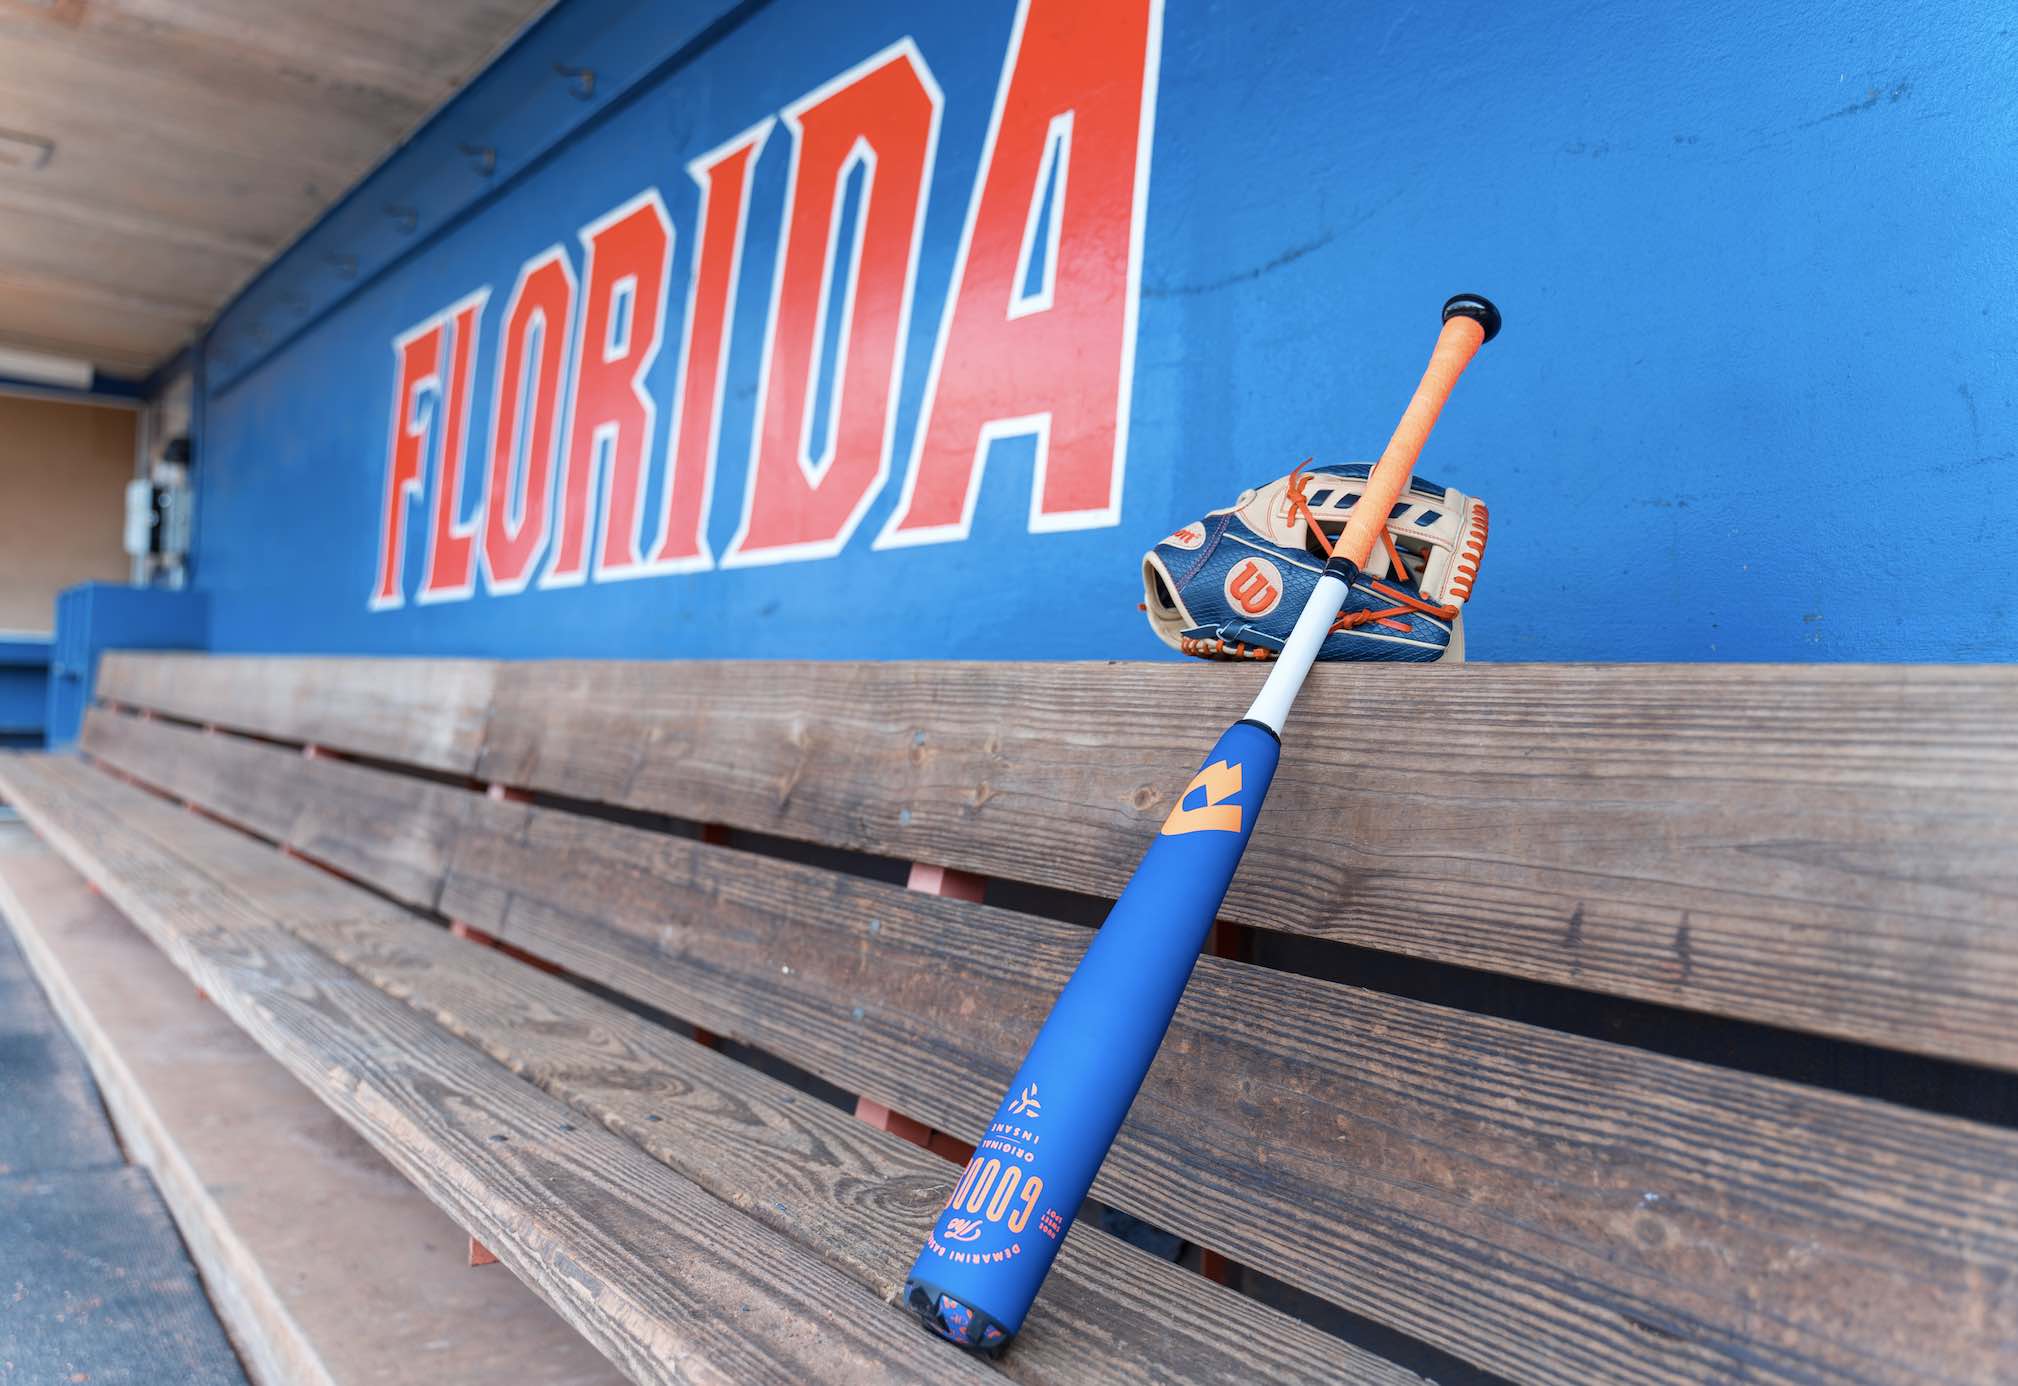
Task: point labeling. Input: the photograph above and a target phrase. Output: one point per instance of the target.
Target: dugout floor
(95, 1283)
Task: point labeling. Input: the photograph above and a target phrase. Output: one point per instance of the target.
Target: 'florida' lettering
(581, 475)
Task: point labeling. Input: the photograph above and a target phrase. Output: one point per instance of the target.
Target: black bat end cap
(1476, 306)
(957, 1322)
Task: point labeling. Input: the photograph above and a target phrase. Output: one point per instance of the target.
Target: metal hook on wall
(482, 156)
(584, 79)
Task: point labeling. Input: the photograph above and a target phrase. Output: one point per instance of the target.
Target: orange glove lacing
(1348, 620)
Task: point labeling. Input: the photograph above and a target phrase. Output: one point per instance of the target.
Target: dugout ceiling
(154, 154)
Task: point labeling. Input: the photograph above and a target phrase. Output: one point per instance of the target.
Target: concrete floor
(95, 1284)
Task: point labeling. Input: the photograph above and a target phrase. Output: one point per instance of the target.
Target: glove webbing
(1348, 620)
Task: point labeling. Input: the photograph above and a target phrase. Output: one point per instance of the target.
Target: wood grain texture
(195, 139)
(1546, 1206)
(385, 48)
(427, 712)
(670, 1282)
(1830, 848)
(41, 318)
(326, 1266)
(133, 228)
(391, 830)
(860, 1197)
(856, 1196)
(42, 248)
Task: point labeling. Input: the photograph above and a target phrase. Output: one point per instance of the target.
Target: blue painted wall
(1757, 263)
(24, 690)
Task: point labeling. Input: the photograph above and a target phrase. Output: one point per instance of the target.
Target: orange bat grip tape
(1455, 346)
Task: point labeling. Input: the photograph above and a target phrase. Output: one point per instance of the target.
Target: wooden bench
(1573, 1023)
(325, 1265)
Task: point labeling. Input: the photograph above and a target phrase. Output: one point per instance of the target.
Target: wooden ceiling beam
(157, 97)
(107, 341)
(421, 52)
(125, 300)
(194, 139)
(89, 214)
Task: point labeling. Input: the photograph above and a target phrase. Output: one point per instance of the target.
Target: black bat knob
(1475, 306)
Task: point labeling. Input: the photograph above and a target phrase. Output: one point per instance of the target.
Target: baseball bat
(998, 1233)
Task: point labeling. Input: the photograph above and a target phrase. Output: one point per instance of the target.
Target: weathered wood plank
(134, 228)
(427, 712)
(1544, 1205)
(42, 249)
(859, 1197)
(45, 319)
(391, 830)
(387, 46)
(203, 135)
(1828, 848)
(670, 1282)
(585, 877)
(229, 96)
(279, 1202)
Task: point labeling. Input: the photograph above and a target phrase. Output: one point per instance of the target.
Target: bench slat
(391, 830)
(861, 1198)
(667, 1280)
(1823, 847)
(277, 1200)
(427, 712)
(1430, 1147)
(1541, 1204)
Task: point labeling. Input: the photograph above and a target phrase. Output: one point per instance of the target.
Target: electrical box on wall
(99, 616)
(160, 517)
(139, 517)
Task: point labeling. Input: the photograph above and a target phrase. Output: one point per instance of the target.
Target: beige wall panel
(63, 472)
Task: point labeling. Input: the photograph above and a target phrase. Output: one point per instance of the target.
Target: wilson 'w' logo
(1254, 586)
(1219, 782)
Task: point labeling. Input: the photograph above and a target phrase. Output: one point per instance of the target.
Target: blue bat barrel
(1009, 1214)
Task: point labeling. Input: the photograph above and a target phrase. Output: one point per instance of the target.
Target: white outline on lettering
(701, 169)
(736, 556)
(1057, 154)
(895, 537)
(515, 505)
(860, 153)
(407, 396)
(597, 496)
(475, 303)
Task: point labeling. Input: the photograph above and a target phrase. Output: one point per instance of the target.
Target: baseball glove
(1230, 586)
